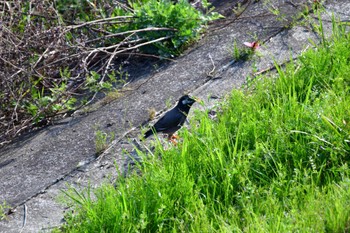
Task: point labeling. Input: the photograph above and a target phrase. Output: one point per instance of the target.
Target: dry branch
(32, 58)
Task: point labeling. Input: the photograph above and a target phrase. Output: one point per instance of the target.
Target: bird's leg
(172, 138)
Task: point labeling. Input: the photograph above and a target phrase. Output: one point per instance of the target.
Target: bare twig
(211, 73)
(99, 21)
(144, 44)
(131, 32)
(112, 57)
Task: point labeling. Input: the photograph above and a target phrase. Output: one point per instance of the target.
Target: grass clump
(3, 210)
(275, 160)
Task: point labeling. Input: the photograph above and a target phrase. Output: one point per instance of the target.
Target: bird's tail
(148, 133)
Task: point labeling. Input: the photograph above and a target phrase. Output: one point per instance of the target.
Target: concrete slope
(35, 169)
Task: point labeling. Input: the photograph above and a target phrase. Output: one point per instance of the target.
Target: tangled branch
(33, 53)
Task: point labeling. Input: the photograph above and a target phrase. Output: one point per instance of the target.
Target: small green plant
(47, 103)
(271, 7)
(82, 10)
(3, 207)
(169, 103)
(95, 83)
(242, 53)
(236, 53)
(238, 9)
(102, 140)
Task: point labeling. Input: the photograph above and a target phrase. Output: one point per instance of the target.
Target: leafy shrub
(186, 20)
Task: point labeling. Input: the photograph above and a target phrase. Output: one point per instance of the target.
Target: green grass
(275, 160)
(3, 210)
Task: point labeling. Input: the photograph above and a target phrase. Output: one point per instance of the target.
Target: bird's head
(186, 101)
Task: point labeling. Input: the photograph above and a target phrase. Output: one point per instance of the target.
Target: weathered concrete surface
(35, 169)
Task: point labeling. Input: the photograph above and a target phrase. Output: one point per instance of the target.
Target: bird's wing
(171, 119)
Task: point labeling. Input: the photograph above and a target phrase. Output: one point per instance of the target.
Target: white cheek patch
(184, 102)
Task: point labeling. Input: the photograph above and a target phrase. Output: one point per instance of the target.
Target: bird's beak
(198, 100)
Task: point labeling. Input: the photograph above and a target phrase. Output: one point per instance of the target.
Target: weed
(241, 53)
(274, 160)
(238, 10)
(102, 140)
(151, 114)
(3, 207)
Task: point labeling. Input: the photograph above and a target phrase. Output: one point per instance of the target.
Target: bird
(173, 119)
